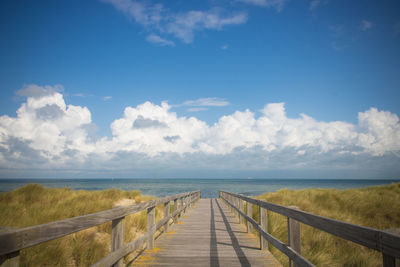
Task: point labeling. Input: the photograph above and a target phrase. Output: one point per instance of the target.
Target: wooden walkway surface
(207, 235)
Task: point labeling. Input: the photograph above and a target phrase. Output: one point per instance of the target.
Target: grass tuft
(376, 207)
(34, 204)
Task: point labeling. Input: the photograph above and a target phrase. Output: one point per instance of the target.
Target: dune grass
(377, 207)
(34, 204)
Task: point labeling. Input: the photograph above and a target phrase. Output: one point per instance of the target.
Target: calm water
(209, 187)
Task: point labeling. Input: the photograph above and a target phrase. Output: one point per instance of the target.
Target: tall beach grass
(34, 204)
(377, 207)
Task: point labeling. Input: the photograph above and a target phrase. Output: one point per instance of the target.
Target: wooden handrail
(12, 242)
(388, 244)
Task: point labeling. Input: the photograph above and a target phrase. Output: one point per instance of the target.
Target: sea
(209, 187)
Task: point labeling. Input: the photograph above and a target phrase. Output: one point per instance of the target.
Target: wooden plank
(10, 260)
(209, 235)
(388, 261)
(26, 237)
(241, 208)
(264, 226)
(294, 236)
(166, 214)
(117, 240)
(297, 258)
(372, 238)
(128, 248)
(249, 211)
(150, 227)
(175, 211)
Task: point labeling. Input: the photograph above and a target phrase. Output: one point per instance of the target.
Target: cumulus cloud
(157, 19)
(46, 124)
(49, 133)
(35, 91)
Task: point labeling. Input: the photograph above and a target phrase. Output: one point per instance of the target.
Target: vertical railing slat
(250, 214)
(264, 226)
(117, 240)
(166, 214)
(388, 261)
(294, 236)
(241, 207)
(175, 209)
(150, 227)
(10, 260)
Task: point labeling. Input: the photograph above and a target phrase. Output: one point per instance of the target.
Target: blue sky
(228, 65)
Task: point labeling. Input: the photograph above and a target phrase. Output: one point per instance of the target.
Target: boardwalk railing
(13, 241)
(386, 243)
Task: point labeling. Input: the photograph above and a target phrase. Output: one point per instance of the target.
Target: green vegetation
(377, 207)
(34, 204)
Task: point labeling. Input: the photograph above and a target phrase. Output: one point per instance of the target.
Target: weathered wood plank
(264, 226)
(166, 215)
(297, 258)
(115, 256)
(126, 249)
(388, 261)
(22, 238)
(372, 238)
(294, 236)
(150, 227)
(249, 211)
(117, 240)
(10, 260)
(207, 235)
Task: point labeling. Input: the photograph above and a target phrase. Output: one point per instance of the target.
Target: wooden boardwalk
(207, 235)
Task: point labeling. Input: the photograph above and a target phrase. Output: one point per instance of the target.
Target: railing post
(175, 209)
(264, 226)
(236, 204)
(117, 237)
(241, 208)
(150, 227)
(250, 214)
(389, 261)
(294, 236)
(10, 260)
(181, 207)
(166, 214)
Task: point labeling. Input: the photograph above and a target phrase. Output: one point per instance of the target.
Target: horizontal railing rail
(11, 242)
(386, 243)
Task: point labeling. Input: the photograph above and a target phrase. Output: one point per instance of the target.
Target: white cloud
(106, 98)
(157, 19)
(47, 124)
(207, 102)
(183, 25)
(277, 4)
(52, 134)
(35, 91)
(142, 12)
(366, 25)
(224, 47)
(155, 39)
(196, 109)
